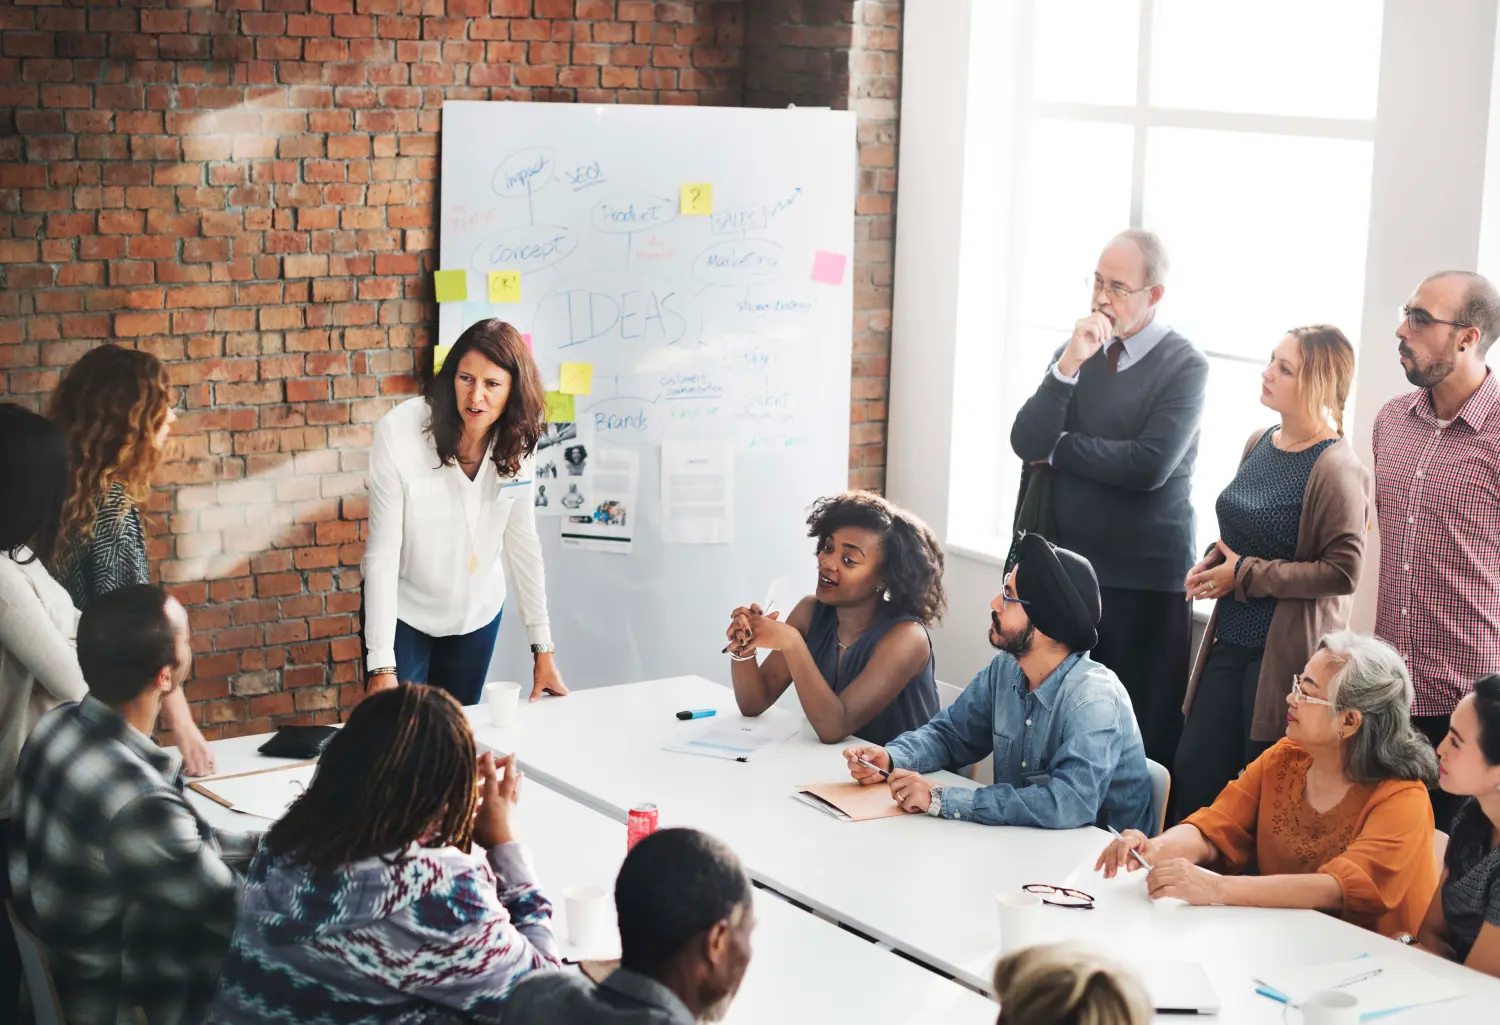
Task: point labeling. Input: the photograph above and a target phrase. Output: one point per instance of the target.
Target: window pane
(1295, 57)
(1232, 410)
(1265, 232)
(1076, 195)
(1084, 51)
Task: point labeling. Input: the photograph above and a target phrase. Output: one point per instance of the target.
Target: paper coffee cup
(1330, 1007)
(503, 699)
(1020, 920)
(587, 911)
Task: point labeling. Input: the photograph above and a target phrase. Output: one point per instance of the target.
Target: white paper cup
(587, 911)
(1020, 920)
(503, 699)
(1330, 1007)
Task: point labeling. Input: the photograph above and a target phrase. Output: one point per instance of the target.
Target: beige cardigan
(1314, 591)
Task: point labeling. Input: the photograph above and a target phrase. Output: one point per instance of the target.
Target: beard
(1432, 374)
(1016, 645)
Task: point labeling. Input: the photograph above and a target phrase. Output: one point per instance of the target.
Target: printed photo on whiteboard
(697, 492)
(604, 521)
(561, 479)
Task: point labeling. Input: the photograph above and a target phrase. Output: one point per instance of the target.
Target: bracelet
(743, 658)
(376, 672)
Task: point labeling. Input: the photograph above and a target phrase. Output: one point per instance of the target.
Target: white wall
(1434, 163)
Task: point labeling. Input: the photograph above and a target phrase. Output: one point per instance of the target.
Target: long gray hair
(1372, 679)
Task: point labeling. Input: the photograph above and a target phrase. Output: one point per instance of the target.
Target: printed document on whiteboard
(697, 492)
(606, 521)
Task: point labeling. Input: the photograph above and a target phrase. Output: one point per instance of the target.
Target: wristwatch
(935, 809)
(543, 649)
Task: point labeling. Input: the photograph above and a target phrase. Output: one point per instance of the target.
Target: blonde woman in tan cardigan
(1291, 544)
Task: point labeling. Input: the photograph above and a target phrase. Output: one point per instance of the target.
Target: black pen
(872, 765)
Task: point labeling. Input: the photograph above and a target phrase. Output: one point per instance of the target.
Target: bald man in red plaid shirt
(1437, 494)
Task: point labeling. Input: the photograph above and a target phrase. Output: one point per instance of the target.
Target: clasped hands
(750, 628)
(1213, 576)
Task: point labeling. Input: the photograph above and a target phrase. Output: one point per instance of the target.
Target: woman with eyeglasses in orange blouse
(1334, 817)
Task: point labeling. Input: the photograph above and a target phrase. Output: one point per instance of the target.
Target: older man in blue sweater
(1117, 416)
(1067, 749)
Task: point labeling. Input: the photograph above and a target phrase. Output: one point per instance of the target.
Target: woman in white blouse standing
(451, 516)
(38, 624)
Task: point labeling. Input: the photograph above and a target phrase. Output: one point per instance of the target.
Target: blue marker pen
(697, 713)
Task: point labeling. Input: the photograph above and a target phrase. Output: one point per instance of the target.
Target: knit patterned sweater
(432, 935)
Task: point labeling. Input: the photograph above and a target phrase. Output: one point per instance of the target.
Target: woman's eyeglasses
(1301, 697)
(1061, 896)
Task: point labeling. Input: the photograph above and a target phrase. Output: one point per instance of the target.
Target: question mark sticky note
(451, 285)
(559, 407)
(505, 286)
(577, 378)
(440, 356)
(698, 198)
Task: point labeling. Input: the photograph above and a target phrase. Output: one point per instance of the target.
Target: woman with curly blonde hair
(114, 408)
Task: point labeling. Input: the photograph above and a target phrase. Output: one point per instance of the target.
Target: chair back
(44, 1001)
(1161, 790)
(1439, 848)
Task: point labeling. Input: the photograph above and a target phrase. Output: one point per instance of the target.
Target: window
(1243, 135)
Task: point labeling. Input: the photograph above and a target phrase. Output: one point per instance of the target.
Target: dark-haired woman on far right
(451, 516)
(1463, 921)
(856, 649)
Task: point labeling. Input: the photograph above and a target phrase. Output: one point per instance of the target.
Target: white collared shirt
(426, 520)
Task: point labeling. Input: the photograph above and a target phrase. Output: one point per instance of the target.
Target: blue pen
(697, 713)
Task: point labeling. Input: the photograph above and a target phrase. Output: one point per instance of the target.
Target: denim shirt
(1067, 754)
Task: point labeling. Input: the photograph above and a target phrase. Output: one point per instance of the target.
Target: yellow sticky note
(559, 407)
(698, 198)
(439, 356)
(505, 286)
(451, 285)
(577, 378)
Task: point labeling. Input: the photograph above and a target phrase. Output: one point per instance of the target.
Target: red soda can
(641, 824)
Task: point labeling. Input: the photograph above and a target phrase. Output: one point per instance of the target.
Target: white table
(804, 970)
(922, 885)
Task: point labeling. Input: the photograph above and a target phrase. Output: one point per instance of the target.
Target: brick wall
(248, 190)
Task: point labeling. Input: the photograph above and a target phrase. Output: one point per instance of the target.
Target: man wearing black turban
(1067, 749)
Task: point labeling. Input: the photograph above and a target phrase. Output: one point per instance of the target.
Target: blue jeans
(458, 664)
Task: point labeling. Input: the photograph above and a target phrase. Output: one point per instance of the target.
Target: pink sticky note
(527, 339)
(828, 268)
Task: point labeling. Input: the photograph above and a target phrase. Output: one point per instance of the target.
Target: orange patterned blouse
(1377, 841)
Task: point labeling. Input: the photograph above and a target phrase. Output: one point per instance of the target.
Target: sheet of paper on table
(1381, 984)
(267, 794)
(736, 738)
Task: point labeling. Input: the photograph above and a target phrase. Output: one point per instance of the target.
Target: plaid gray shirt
(130, 892)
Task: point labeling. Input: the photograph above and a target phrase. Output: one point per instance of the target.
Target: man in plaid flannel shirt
(1437, 494)
(131, 894)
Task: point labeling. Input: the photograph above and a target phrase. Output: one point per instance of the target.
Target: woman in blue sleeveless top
(856, 649)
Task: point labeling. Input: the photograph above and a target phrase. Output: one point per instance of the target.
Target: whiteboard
(699, 327)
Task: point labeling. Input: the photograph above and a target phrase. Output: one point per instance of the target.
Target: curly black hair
(913, 567)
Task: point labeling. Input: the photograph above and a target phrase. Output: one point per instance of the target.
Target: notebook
(1178, 987)
(850, 802)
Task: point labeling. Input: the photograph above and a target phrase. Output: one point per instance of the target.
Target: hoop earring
(887, 595)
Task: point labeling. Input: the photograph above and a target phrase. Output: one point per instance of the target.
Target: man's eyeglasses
(1006, 599)
(1301, 697)
(1115, 289)
(1061, 896)
(1417, 319)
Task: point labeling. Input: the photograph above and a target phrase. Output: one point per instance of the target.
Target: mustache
(1403, 350)
(995, 623)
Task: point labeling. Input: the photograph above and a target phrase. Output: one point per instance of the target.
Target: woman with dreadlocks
(365, 903)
